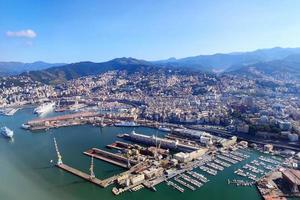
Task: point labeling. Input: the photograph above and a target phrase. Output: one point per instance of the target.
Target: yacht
(127, 124)
(6, 132)
(44, 108)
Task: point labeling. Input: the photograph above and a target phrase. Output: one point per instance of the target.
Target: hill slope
(221, 62)
(71, 71)
(287, 68)
(14, 68)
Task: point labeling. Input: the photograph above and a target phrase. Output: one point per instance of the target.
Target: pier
(88, 177)
(82, 175)
(110, 157)
(60, 121)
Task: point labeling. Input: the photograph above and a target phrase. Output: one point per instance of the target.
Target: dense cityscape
(225, 112)
(260, 107)
(165, 100)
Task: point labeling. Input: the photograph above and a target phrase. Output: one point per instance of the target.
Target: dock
(100, 182)
(61, 121)
(81, 174)
(110, 157)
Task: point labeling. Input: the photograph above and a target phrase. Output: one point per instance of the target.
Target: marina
(174, 185)
(208, 170)
(177, 179)
(191, 180)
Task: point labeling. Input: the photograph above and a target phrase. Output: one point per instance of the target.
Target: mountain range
(75, 70)
(270, 62)
(222, 62)
(14, 68)
(286, 68)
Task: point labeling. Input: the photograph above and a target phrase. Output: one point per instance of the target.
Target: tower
(128, 162)
(59, 157)
(92, 174)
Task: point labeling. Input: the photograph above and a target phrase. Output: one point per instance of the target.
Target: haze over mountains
(270, 62)
(14, 68)
(222, 62)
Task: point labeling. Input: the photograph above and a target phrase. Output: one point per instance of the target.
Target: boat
(164, 128)
(127, 124)
(7, 132)
(153, 188)
(25, 126)
(11, 112)
(44, 108)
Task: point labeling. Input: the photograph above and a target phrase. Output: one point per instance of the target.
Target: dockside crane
(59, 157)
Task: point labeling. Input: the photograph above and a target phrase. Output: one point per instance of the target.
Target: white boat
(44, 108)
(25, 126)
(11, 112)
(7, 132)
(127, 124)
(164, 128)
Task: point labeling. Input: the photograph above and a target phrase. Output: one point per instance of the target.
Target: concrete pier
(81, 174)
(110, 157)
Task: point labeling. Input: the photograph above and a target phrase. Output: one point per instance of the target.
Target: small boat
(25, 126)
(164, 128)
(7, 132)
(11, 112)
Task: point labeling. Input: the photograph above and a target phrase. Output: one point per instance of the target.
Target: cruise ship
(44, 108)
(6, 132)
(127, 124)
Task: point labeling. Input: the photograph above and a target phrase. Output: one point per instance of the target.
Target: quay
(82, 175)
(110, 157)
(102, 183)
(164, 143)
(90, 177)
(61, 121)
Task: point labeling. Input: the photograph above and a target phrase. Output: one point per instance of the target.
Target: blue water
(27, 173)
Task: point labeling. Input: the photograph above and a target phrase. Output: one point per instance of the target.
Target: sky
(99, 30)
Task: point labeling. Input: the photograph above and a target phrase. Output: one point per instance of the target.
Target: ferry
(127, 124)
(44, 108)
(7, 132)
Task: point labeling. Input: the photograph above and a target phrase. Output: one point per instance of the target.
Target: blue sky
(99, 30)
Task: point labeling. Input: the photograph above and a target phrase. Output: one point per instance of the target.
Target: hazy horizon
(232, 52)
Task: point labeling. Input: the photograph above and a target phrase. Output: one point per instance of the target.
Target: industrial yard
(149, 156)
(109, 148)
(183, 160)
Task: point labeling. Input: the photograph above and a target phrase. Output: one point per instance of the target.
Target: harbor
(70, 139)
(150, 166)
